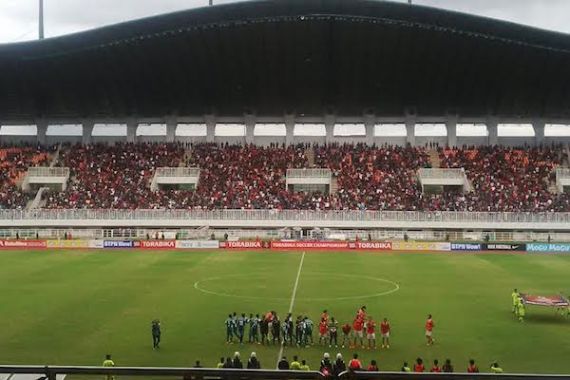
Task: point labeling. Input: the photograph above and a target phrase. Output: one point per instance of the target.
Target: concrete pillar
(451, 125)
(87, 134)
(410, 122)
(171, 124)
(330, 121)
(249, 121)
(539, 127)
(210, 128)
(42, 126)
(492, 128)
(369, 125)
(132, 125)
(289, 129)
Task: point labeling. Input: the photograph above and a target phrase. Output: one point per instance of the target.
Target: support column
(42, 127)
(492, 128)
(210, 128)
(171, 124)
(539, 127)
(451, 125)
(329, 128)
(410, 128)
(249, 121)
(132, 125)
(369, 126)
(289, 129)
(87, 134)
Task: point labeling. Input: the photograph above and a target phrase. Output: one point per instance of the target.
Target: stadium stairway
(434, 159)
(334, 185)
(187, 156)
(310, 153)
(54, 157)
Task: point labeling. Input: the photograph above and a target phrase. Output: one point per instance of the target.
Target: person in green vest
(221, 363)
(521, 311)
(295, 365)
(108, 362)
(495, 368)
(515, 295)
(406, 367)
(304, 366)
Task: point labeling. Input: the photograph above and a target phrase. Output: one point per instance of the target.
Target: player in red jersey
(354, 364)
(472, 367)
(361, 313)
(419, 366)
(435, 367)
(385, 332)
(323, 332)
(358, 333)
(346, 334)
(325, 316)
(371, 333)
(429, 330)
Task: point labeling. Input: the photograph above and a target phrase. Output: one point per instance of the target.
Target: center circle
(310, 286)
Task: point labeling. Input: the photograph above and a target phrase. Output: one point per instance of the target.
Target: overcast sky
(18, 18)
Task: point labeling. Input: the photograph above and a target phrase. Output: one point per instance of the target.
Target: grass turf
(73, 307)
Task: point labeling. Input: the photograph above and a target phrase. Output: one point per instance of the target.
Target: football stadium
(300, 189)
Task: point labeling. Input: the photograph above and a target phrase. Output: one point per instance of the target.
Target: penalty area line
(292, 300)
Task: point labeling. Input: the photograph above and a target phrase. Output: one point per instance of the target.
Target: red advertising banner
(309, 245)
(18, 244)
(242, 245)
(155, 244)
(372, 245)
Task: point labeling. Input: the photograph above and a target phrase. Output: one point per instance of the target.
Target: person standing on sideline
(521, 310)
(108, 362)
(295, 365)
(447, 366)
(472, 368)
(419, 366)
(253, 363)
(354, 364)
(495, 368)
(385, 332)
(435, 367)
(236, 363)
(283, 364)
(155, 334)
(515, 295)
(339, 365)
(429, 330)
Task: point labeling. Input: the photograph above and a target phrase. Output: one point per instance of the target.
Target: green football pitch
(73, 307)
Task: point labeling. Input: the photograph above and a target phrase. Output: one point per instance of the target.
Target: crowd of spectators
(113, 176)
(503, 179)
(253, 177)
(14, 162)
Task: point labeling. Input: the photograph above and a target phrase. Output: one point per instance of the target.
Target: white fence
(286, 218)
(442, 173)
(43, 171)
(177, 172)
(309, 173)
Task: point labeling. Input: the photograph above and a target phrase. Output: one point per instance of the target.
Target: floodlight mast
(41, 21)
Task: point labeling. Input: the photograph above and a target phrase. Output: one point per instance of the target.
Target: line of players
(269, 329)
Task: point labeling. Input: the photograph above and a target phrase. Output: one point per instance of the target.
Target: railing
(285, 215)
(441, 173)
(44, 171)
(50, 372)
(177, 172)
(563, 172)
(361, 375)
(309, 173)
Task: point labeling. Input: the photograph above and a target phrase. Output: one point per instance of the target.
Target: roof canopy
(298, 56)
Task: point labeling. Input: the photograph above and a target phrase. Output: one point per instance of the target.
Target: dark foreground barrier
(50, 373)
(360, 375)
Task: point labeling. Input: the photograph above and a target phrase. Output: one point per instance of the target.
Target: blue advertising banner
(117, 244)
(466, 247)
(548, 247)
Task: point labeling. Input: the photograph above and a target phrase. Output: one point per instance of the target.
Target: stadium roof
(303, 56)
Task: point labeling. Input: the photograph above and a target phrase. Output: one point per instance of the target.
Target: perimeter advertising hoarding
(504, 247)
(68, 244)
(241, 245)
(197, 244)
(466, 247)
(420, 246)
(118, 244)
(309, 245)
(548, 247)
(155, 244)
(22, 244)
(371, 245)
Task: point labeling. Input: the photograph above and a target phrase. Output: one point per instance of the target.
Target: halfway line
(293, 299)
